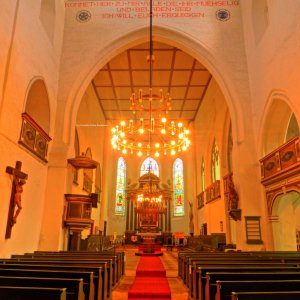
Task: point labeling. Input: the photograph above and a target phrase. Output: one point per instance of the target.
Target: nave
(170, 262)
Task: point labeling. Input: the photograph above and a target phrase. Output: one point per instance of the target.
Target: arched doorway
(286, 226)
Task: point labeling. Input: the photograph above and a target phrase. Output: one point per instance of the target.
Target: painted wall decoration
(120, 190)
(178, 186)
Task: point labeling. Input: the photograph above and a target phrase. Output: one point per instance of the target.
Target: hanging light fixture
(150, 133)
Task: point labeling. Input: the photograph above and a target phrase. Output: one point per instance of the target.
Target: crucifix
(19, 179)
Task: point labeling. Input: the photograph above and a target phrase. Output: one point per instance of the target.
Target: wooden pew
(88, 277)
(120, 254)
(100, 272)
(117, 257)
(74, 287)
(211, 287)
(191, 276)
(278, 295)
(280, 256)
(225, 288)
(215, 260)
(32, 293)
(198, 271)
(199, 287)
(111, 262)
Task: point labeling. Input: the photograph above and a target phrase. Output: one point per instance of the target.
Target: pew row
(32, 293)
(74, 287)
(225, 288)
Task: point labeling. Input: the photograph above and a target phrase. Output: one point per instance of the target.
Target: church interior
(150, 130)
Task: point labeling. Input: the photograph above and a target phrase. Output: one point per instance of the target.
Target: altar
(148, 212)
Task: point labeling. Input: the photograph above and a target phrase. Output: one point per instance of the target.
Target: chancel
(164, 128)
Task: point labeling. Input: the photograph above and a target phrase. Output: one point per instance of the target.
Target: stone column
(169, 216)
(273, 232)
(131, 215)
(135, 218)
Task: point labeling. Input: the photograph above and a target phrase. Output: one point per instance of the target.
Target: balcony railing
(213, 191)
(34, 138)
(284, 158)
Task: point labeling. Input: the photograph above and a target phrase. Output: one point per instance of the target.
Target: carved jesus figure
(17, 198)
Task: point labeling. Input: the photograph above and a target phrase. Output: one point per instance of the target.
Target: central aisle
(169, 260)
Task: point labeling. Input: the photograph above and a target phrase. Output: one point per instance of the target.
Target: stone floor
(169, 260)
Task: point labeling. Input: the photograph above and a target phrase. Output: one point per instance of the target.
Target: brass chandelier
(150, 133)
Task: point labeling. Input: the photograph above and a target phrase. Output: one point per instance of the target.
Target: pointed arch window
(202, 176)
(292, 129)
(215, 163)
(120, 190)
(149, 165)
(178, 186)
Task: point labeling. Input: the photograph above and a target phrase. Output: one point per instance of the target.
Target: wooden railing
(284, 158)
(213, 191)
(34, 138)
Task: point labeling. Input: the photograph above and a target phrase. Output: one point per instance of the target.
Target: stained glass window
(149, 165)
(215, 163)
(178, 184)
(120, 191)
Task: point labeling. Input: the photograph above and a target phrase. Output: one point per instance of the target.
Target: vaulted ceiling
(174, 71)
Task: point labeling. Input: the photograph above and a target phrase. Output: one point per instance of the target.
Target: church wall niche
(276, 124)
(37, 104)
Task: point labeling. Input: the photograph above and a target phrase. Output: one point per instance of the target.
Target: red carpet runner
(150, 281)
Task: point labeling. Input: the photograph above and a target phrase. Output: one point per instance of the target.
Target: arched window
(202, 176)
(215, 163)
(178, 186)
(120, 190)
(293, 128)
(149, 165)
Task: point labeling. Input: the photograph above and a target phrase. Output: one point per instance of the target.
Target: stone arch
(37, 104)
(276, 118)
(161, 34)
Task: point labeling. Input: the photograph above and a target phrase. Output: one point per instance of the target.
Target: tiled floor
(169, 260)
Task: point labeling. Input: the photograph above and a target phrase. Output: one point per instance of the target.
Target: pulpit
(77, 216)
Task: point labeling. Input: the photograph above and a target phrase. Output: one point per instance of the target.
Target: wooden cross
(19, 178)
